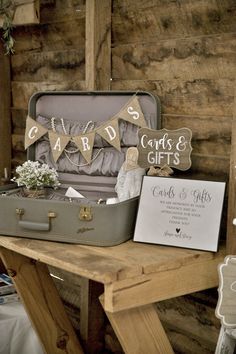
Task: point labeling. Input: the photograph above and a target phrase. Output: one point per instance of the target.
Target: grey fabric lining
(107, 163)
(127, 131)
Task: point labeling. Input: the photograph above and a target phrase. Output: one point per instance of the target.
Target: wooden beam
(5, 115)
(140, 331)
(150, 288)
(42, 302)
(92, 316)
(83, 294)
(231, 229)
(98, 45)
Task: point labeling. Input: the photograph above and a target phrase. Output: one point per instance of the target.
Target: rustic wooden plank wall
(183, 51)
(49, 56)
(24, 12)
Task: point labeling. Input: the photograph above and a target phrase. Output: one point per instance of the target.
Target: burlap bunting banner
(132, 113)
(85, 144)
(58, 143)
(109, 131)
(33, 131)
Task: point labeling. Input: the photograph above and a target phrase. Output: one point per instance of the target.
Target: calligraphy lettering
(182, 144)
(34, 129)
(57, 146)
(133, 113)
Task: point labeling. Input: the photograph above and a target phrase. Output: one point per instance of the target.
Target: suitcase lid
(83, 107)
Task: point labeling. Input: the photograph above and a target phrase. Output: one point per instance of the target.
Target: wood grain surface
(109, 264)
(98, 45)
(38, 293)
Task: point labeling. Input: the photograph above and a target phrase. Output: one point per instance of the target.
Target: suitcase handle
(36, 226)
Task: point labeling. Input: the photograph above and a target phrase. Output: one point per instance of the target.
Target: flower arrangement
(34, 175)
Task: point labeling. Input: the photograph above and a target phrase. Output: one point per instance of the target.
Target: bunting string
(109, 131)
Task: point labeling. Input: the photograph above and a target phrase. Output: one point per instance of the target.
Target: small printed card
(180, 212)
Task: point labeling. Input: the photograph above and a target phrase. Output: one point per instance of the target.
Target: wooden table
(134, 276)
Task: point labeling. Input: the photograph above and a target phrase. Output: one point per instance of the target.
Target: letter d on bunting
(110, 132)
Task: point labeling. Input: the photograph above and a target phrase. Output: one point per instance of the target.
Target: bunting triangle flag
(85, 144)
(110, 132)
(132, 113)
(58, 143)
(33, 131)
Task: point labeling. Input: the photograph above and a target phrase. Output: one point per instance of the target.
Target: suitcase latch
(85, 213)
(20, 212)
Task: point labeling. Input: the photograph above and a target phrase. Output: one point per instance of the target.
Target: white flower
(33, 175)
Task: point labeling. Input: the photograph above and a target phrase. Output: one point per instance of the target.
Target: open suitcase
(83, 221)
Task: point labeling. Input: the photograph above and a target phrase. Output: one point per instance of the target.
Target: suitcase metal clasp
(85, 213)
(20, 212)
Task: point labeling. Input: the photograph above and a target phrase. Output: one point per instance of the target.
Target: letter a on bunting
(132, 113)
(33, 131)
(58, 143)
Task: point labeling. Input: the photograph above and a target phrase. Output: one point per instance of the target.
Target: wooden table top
(109, 264)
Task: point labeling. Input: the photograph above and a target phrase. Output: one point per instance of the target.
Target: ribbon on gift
(163, 171)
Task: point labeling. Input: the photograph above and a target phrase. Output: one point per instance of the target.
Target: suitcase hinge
(85, 213)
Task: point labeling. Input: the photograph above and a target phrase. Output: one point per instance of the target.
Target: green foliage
(7, 10)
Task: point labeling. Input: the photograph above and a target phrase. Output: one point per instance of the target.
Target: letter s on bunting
(165, 147)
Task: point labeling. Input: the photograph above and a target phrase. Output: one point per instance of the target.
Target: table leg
(92, 316)
(42, 302)
(140, 331)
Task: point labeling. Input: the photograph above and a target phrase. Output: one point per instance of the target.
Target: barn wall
(48, 56)
(184, 52)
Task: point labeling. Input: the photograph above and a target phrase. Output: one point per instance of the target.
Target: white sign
(180, 212)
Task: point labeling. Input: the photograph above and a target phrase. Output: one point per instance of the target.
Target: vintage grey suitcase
(83, 221)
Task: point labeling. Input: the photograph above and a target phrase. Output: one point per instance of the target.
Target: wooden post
(98, 45)
(42, 302)
(5, 116)
(231, 229)
(92, 317)
(97, 77)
